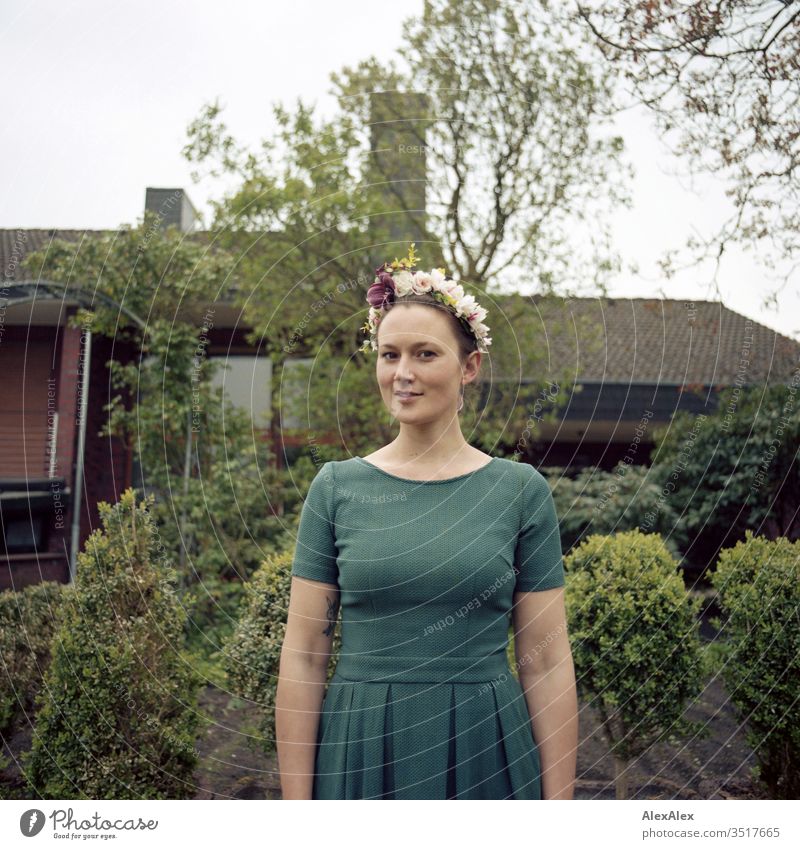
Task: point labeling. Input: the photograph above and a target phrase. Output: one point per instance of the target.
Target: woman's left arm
(547, 675)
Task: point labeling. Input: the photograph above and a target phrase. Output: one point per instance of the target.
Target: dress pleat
(421, 740)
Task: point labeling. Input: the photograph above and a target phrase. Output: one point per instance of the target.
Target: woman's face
(418, 356)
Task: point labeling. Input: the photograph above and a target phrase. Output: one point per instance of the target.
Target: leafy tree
(758, 583)
(518, 179)
(635, 642)
(218, 494)
(723, 79)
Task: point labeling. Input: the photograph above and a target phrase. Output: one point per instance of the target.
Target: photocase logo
(31, 822)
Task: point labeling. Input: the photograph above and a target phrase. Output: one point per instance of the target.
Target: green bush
(212, 608)
(117, 715)
(733, 470)
(758, 581)
(595, 501)
(252, 655)
(28, 620)
(635, 642)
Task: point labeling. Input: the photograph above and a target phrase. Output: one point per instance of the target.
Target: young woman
(429, 546)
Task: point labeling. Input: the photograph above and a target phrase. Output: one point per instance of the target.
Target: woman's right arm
(313, 610)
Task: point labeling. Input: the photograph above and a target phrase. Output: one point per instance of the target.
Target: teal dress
(423, 703)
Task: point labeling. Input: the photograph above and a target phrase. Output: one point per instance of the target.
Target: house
(637, 361)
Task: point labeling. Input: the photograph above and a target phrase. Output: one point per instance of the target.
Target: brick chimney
(173, 207)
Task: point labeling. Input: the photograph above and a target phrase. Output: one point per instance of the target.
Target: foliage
(595, 501)
(252, 654)
(28, 620)
(159, 291)
(117, 716)
(721, 80)
(635, 641)
(733, 469)
(758, 582)
(511, 133)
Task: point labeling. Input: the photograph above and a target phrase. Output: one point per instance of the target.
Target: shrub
(635, 641)
(595, 501)
(735, 469)
(28, 620)
(254, 649)
(117, 716)
(758, 582)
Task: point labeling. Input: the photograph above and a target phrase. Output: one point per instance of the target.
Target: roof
(600, 339)
(660, 340)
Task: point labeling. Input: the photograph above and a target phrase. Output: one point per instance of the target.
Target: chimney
(397, 167)
(173, 208)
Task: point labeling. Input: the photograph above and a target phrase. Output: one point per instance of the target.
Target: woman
(428, 545)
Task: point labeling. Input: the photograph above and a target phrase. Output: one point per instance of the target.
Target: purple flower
(381, 292)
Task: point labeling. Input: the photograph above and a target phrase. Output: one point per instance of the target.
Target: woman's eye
(391, 354)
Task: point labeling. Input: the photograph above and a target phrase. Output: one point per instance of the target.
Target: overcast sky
(99, 96)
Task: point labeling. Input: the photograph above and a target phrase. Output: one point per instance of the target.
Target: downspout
(78, 488)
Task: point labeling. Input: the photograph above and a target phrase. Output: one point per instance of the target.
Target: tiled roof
(658, 340)
(608, 340)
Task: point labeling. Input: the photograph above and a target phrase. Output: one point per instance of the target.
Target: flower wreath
(396, 279)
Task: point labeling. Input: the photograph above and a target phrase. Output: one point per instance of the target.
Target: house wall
(42, 368)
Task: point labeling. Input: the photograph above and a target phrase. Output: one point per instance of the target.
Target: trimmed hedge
(252, 654)
(28, 620)
(635, 641)
(758, 582)
(117, 715)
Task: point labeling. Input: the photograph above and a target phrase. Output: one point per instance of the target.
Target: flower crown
(397, 279)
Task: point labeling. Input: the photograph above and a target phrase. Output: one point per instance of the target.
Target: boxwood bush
(758, 582)
(28, 620)
(635, 641)
(252, 654)
(117, 715)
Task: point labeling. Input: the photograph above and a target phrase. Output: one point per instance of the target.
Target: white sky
(99, 96)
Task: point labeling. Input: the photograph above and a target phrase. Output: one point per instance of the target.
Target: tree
(724, 78)
(758, 586)
(635, 643)
(209, 470)
(519, 181)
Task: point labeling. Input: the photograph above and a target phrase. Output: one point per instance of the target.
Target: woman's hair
(467, 343)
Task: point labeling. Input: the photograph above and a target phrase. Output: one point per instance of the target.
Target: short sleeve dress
(423, 703)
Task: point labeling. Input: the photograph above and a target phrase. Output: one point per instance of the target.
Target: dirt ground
(713, 768)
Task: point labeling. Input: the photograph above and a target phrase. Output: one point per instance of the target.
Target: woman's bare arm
(313, 609)
(547, 676)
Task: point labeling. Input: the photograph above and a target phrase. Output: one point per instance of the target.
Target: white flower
(403, 281)
(437, 278)
(469, 304)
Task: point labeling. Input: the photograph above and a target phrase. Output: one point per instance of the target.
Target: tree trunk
(620, 777)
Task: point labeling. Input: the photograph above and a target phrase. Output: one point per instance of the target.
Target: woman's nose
(403, 368)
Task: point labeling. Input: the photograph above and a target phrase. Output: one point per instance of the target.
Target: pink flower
(422, 283)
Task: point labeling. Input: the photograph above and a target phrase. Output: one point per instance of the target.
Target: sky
(104, 94)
